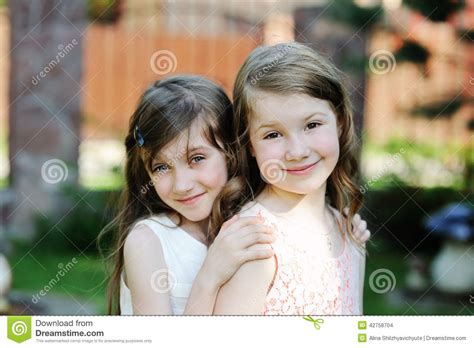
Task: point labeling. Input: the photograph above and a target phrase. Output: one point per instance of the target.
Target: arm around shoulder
(246, 291)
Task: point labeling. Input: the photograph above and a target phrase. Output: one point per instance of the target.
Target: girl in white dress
(179, 160)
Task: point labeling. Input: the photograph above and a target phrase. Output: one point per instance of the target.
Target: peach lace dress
(305, 282)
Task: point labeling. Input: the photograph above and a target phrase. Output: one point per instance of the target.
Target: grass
(110, 181)
(3, 148)
(83, 282)
(385, 304)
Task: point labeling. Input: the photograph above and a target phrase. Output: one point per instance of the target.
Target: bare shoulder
(255, 208)
(250, 209)
(143, 258)
(141, 237)
(142, 249)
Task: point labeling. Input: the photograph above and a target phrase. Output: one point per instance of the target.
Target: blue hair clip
(138, 137)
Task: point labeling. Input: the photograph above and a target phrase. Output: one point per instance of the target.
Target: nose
(297, 149)
(183, 181)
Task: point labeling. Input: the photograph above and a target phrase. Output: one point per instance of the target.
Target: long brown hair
(295, 68)
(165, 110)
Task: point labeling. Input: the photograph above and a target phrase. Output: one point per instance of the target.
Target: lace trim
(299, 287)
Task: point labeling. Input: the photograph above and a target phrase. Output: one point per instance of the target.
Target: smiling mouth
(302, 169)
(191, 200)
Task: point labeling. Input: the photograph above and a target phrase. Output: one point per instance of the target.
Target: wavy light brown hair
(166, 110)
(295, 68)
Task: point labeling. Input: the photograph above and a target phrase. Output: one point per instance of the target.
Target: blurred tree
(104, 11)
(44, 113)
(364, 19)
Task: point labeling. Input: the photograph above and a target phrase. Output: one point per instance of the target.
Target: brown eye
(313, 125)
(271, 135)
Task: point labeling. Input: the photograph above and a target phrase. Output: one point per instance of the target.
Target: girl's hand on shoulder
(239, 240)
(359, 228)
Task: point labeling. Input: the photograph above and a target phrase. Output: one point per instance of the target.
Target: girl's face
(295, 140)
(188, 174)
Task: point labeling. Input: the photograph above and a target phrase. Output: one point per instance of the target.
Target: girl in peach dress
(295, 129)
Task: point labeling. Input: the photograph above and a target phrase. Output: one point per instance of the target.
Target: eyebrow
(202, 147)
(158, 159)
(271, 124)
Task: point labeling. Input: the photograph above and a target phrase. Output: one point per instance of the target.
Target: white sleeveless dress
(184, 256)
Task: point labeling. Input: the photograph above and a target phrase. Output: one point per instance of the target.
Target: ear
(339, 131)
(252, 151)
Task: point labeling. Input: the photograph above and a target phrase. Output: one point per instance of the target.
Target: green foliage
(466, 35)
(352, 63)
(104, 11)
(424, 149)
(80, 225)
(346, 11)
(438, 10)
(112, 180)
(396, 214)
(444, 108)
(470, 125)
(414, 164)
(412, 52)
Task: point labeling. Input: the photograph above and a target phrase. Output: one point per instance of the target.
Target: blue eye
(161, 168)
(271, 135)
(197, 159)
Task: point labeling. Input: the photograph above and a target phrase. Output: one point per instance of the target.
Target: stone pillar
(44, 114)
